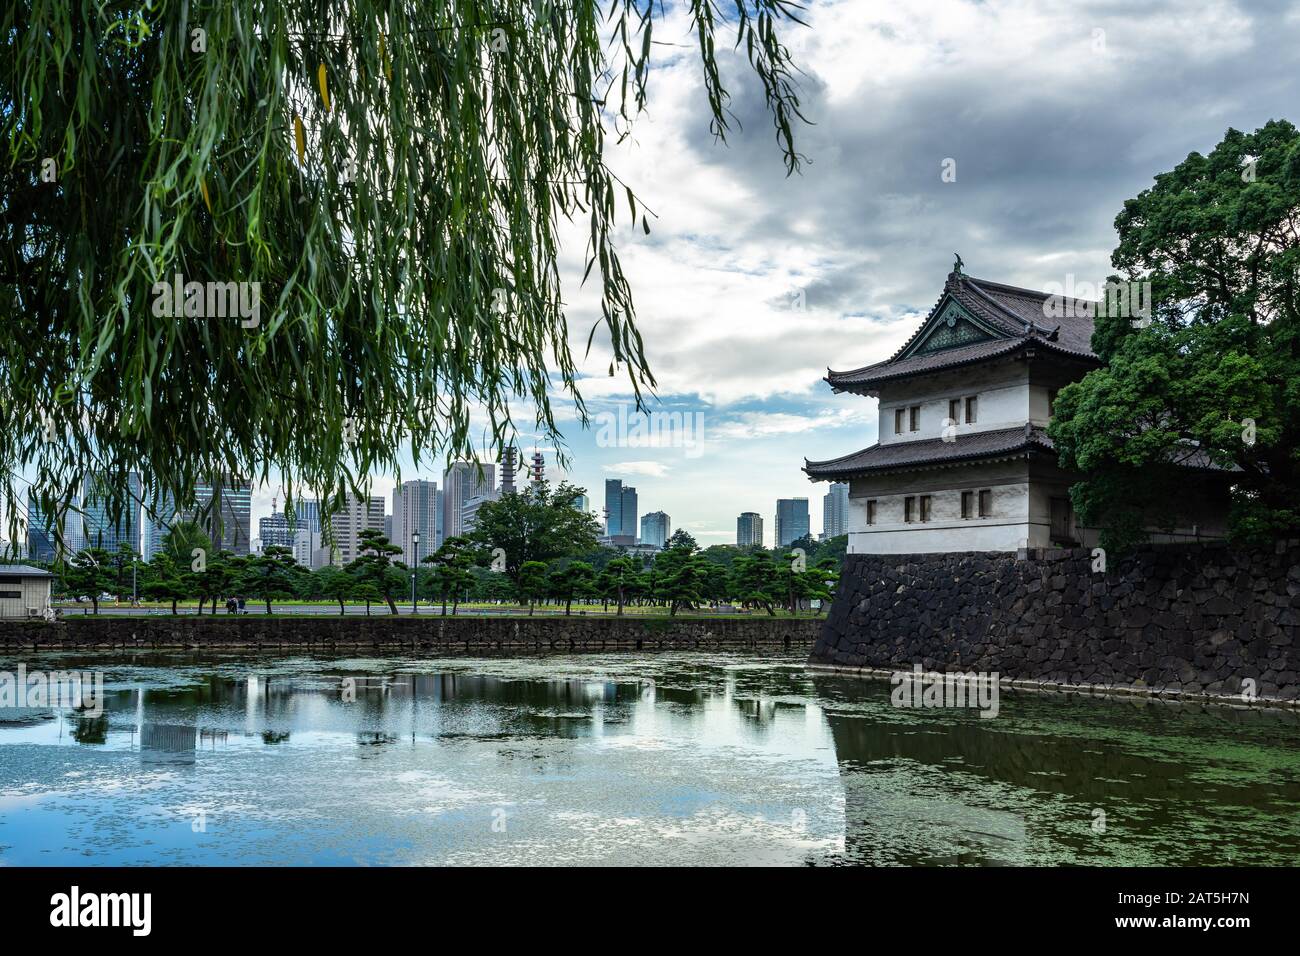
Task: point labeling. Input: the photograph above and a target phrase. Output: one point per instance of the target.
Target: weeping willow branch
(245, 236)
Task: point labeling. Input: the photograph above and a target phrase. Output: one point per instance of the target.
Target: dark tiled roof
(1021, 315)
(931, 451)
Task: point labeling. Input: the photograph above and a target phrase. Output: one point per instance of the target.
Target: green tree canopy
(88, 575)
(532, 584)
(377, 576)
(575, 580)
(1217, 369)
(451, 570)
(270, 574)
(392, 174)
(535, 524)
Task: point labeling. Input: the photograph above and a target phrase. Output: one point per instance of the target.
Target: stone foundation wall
(426, 632)
(1171, 620)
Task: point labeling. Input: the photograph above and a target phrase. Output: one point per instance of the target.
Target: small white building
(963, 461)
(24, 591)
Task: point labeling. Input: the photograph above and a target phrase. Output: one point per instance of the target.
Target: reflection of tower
(539, 468)
(509, 465)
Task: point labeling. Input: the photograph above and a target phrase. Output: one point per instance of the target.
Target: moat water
(687, 758)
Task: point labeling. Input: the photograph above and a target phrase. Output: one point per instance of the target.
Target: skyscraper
(358, 515)
(835, 510)
(101, 530)
(469, 512)
(614, 506)
(306, 514)
(749, 529)
(228, 524)
(49, 539)
(791, 520)
(276, 529)
(461, 482)
(656, 529)
(628, 520)
(42, 536)
(415, 511)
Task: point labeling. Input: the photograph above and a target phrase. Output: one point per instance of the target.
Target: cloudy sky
(1053, 112)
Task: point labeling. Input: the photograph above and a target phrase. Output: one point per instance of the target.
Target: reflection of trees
(1152, 760)
(90, 730)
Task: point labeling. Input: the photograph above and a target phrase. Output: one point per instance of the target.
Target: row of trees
(533, 547)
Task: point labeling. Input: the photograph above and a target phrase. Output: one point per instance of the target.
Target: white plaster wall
(1002, 388)
(1038, 404)
(1006, 529)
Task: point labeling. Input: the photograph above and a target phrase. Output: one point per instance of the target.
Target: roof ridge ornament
(957, 264)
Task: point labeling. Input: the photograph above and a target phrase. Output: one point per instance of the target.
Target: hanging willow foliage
(391, 175)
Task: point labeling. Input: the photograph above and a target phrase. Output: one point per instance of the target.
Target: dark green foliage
(376, 575)
(536, 524)
(1218, 367)
(270, 574)
(576, 579)
(394, 174)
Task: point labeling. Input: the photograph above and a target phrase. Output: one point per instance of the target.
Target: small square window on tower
(954, 410)
(871, 511)
(968, 504)
(972, 406)
(925, 507)
(909, 509)
(899, 419)
(915, 421)
(986, 503)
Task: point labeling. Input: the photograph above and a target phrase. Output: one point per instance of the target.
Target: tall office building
(614, 507)
(415, 511)
(628, 521)
(469, 512)
(620, 509)
(306, 514)
(49, 539)
(276, 529)
(309, 548)
(228, 522)
(357, 515)
(749, 529)
(43, 537)
(229, 517)
(656, 529)
(791, 520)
(101, 531)
(461, 482)
(835, 511)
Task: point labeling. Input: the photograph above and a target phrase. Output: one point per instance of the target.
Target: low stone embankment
(1189, 622)
(435, 633)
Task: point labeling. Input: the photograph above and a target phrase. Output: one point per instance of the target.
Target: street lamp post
(415, 568)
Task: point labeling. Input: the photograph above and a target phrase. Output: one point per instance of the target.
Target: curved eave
(811, 467)
(1024, 345)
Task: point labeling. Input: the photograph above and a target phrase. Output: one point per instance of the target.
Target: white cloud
(653, 469)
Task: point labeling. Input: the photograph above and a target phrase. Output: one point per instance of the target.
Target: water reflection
(684, 758)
